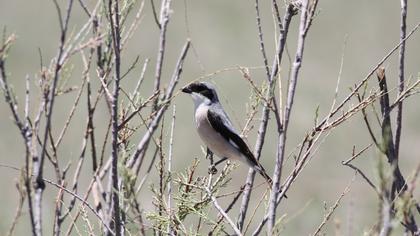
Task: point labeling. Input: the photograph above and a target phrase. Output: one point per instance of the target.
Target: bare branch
(73, 109)
(401, 58)
(142, 146)
(356, 155)
(171, 142)
(38, 163)
(265, 116)
(307, 12)
(5, 85)
(22, 196)
(223, 213)
(332, 208)
(367, 77)
(164, 19)
(388, 148)
(155, 14)
(261, 40)
(69, 192)
(114, 18)
(82, 200)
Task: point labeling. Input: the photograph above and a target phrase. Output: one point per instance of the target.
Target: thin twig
(364, 177)
(134, 25)
(405, 94)
(367, 77)
(5, 85)
(347, 163)
(138, 109)
(22, 196)
(223, 213)
(38, 164)
(144, 142)
(229, 207)
(332, 208)
(401, 58)
(356, 155)
(263, 196)
(75, 103)
(23, 126)
(85, 8)
(310, 142)
(365, 118)
(261, 39)
(155, 14)
(67, 191)
(164, 19)
(81, 200)
(171, 142)
(88, 132)
(140, 80)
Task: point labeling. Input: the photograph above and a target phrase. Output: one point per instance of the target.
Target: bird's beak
(186, 89)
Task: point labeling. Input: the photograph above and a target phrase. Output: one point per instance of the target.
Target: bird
(216, 130)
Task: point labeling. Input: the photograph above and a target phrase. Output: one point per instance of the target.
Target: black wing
(220, 122)
(217, 122)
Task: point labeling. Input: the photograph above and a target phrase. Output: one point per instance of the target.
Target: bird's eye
(207, 93)
(200, 88)
(197, 88)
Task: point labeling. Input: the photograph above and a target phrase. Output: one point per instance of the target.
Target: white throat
(199, 100)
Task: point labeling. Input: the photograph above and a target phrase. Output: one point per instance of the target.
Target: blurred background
(224, 35)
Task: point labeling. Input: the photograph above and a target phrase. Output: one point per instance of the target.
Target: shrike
(216, 130)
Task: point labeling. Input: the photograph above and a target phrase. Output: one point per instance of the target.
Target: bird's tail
(267, 178)
(264, 174)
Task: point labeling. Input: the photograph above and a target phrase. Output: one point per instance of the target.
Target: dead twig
(333, 207)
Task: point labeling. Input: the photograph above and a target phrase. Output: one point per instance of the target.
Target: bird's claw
(212, 170)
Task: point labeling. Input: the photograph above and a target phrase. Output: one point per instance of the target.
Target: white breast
(214, 141)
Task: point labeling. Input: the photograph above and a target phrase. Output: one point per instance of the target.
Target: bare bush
(136, 139)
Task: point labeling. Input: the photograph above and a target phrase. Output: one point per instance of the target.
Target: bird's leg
(213, 169)
(220, 161)
(209, 154)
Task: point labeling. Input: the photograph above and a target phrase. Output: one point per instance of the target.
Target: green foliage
(189, 199)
